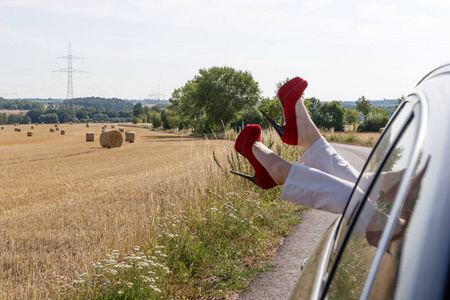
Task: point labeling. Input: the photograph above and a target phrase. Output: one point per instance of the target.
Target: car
(393, 239)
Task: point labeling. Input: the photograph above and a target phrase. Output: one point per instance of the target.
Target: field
(68, 205)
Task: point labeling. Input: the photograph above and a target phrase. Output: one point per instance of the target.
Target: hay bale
(89, 136)
(63, 132)
(32, 127)
(381, 129)
(52, 129)
(30, 133)
(111, 138)
(43, 123)
(57, 128)
(87, 124)
(130, 136)
(103, 130)
(2, 127)
(121, 130)
(71, 123)
(19, 130)
(113, 126)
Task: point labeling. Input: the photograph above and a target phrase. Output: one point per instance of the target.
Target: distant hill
(19, 104)
(112, 104)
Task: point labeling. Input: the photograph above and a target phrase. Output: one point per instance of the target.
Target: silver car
(393, 239)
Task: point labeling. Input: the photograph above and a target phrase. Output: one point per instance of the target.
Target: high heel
(243, 145)
(288, 95)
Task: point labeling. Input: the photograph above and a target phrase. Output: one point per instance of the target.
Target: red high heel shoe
(243, 145)
(288, 95)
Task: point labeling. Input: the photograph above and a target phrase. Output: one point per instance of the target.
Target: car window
(366, 218)
(386, 140)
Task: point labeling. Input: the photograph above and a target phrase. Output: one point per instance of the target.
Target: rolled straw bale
(30, 133)
(36, 124)
(56, 125)
(3, 127)
(63, 132)
(52, 129)
(121, 129)
(57, 128)
(32, 127)
(71, 123)
(89, 136)
(19, 130)
(111, 138)
(43, 123)
(130, 136)
(87, 124)
(113, 126)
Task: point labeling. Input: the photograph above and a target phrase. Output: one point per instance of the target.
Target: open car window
(388, 158)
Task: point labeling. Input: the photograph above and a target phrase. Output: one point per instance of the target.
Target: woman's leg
(304, 185)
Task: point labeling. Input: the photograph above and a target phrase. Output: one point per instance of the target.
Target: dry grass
(354, 138)
(13, 112)
(65, 202)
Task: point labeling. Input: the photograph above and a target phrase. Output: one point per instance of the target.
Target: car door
(346, 257)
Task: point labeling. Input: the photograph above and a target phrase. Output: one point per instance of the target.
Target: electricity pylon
(69, 70)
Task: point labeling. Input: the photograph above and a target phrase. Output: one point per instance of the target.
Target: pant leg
(316, 189)
(323, 156)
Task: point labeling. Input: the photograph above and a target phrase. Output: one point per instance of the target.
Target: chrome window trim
(401, 194)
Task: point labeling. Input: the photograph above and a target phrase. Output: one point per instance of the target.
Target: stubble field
(66, 202)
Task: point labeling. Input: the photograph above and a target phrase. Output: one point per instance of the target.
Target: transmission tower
(69, 70)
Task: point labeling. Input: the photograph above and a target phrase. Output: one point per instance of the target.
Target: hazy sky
(136, 49)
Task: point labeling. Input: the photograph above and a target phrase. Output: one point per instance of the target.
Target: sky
(144, 49)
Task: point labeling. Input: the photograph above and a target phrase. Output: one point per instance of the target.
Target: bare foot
(277, 167)
(307, 131)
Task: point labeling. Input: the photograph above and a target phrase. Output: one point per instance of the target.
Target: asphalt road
(300, 243)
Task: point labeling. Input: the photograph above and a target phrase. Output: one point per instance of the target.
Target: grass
(367, 139)
(157, 219)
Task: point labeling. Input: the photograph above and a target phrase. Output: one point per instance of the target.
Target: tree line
(96, 110)
(220, 98)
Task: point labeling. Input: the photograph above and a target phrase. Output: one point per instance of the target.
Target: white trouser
(321, 179)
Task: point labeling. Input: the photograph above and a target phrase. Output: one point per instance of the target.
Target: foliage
(214, 98)
(113, 104)
(20, 104)
(326, 115)
(363, 106)
(351, 116)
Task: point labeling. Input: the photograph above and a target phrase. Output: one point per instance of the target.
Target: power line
(69, 70)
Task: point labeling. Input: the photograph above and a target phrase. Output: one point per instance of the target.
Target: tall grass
(158, 219)
(209, 242)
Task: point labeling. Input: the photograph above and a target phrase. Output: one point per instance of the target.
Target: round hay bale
(103, 130)
(30, 133)
(63, 132)
(57, 129)
(121, 129)
(19, 130)
(87, 124)
(113, 126)
(36, 124)
(58, 123)
(3, 127)
(130, 136)
(89, 136)
(71, 123)
(111, 138)
(52, 129)
(43, 123)
(32, 127)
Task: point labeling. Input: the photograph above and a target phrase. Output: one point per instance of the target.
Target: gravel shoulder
(300, 243)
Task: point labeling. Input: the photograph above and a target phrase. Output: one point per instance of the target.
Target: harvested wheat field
(65, 202)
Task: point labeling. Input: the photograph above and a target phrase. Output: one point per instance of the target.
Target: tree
(333, 115)
(351, 116)
(314, 107)
(363, 106)
(217, 96)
